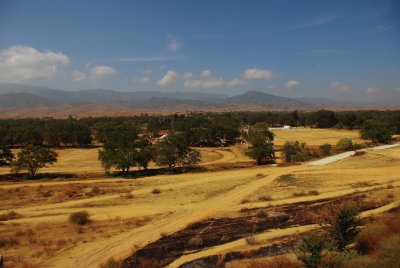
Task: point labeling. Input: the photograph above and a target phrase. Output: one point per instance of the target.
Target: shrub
(294, 151)
(265, 198)
(298, 194)
(8, 242)
(111, 263)
(310, 248)
(156, 191)
(95, 190)
(326, 149)
(195, 242)
(313, 192)
(251, 240)
(12, 215)
(79, 218)
(345, 144)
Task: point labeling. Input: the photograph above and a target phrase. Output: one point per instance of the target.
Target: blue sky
(347, 50)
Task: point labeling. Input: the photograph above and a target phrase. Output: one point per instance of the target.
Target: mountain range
(37, 101)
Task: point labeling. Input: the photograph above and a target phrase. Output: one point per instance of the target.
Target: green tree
(173, 151)
(6, 156)
(32, 158)
(378, 131)
(262, 146)
(122, 148)
(340, 222)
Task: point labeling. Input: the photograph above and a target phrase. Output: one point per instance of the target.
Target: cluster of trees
(124, 148)
(198, 129)
(38, 132)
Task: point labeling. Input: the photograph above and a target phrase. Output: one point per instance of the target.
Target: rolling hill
(36, 101)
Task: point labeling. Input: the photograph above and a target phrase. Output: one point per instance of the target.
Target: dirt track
(179, 213)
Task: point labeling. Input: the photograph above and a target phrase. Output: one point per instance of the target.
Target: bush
(251, 240)
(265, 198)
(310, 248)
(345, 144)
(12, 215)
(79, 218)
(294, 151)
(111, 263)
(156, 191)
(326, 149)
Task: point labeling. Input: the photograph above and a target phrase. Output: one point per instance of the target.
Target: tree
(378, 131)
(32, 158)
(122, 148)
(173, 150)
(262, 146)
(340, 221)
(6, 156)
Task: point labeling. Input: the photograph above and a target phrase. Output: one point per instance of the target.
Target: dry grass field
(186, 217)
(315, 137)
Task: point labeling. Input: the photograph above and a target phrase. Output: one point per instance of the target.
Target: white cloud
(78, 76)
(271, 87)
(255, 73)
(397, 89)
(18, 63)
(206, 74)
(292, 84)
(147, 71)
(340, 86)
(373, 90)
(236, 83)
(168, 79)
(174, 45)
(97, 73)
(187, 75)
(142, 80)
(215, 82)
(208, 80)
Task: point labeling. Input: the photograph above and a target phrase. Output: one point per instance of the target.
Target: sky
(344, 50)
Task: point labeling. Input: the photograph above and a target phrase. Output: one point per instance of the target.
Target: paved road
(338, 157)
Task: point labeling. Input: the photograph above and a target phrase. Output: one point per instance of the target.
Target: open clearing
(182, 218)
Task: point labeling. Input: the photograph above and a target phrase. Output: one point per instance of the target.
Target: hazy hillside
(24, 100)
(35, 101)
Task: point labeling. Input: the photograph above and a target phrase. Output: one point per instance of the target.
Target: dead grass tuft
(12, 215)
(252, 240)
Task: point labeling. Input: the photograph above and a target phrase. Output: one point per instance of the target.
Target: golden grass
(315, 137)
(116, 205)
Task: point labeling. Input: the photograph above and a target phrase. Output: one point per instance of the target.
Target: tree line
(198, 129)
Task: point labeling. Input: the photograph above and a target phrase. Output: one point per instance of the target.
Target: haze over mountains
(36, 101)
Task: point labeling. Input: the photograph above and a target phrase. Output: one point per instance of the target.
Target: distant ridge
(35, 101)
